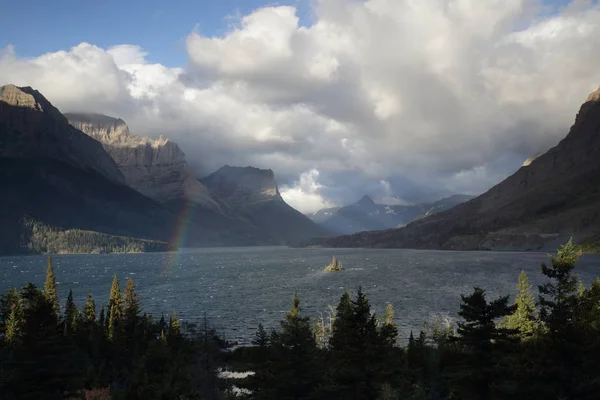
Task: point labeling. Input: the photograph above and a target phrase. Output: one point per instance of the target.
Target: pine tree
(482, 340)
(102, 318)
(559, 302)
(558, 298)
(174, 332)
(50, 287)
(294, 371)
(13, 325)
(388, 331)
(115, 309)
(523, 319)
(357, 351)
(261, 338)
(70, 318)
(132, 306)
(90, 309)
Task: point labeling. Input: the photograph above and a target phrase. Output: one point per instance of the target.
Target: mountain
(33, 128)
(154, 167)
(55, 178)
(158, 169)
(366, 215)
(551, 197)
(254, 192)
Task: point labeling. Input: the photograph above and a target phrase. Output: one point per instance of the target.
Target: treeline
(544, 348)
(40, 238)
(116, 352)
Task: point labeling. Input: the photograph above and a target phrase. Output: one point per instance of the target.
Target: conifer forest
(544, 346)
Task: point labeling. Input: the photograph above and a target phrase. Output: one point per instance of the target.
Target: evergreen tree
(559, 302)
(388, 331)
(14, 323)
(558, 298)
(90, 309)
(357, 351)
(71, 312)
(294, 372)
(174, 327)
(523, 319)
(132, 302)
(482, 340)
(261, 338)
(115, 309)
(50, 287)
(102, 318)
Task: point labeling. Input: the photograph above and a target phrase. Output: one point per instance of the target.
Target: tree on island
(335, 265)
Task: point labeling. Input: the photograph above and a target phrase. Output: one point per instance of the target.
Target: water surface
(239, 287)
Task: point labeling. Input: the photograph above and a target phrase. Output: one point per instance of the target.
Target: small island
(335, 265)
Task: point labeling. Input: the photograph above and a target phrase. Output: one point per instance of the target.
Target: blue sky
(158, 26)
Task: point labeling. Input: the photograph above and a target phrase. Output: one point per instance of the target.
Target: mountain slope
(254, 192)
(366, 215)
(32, 127)
(553, 196)
(58, 177)
(158, 169)
(154, 167)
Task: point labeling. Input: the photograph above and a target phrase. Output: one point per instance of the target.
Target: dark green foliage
(90, 310)
(482, 375)
(523, 319)
(71, 315)
(38, 361)
(293, 371)
(42, 238)
(115, 309)
(50, 287)
(358, 350)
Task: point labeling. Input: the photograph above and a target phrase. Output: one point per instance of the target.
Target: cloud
(431, 97)
(304, 195)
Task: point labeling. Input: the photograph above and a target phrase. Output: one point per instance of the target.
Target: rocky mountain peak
(248, 184)
(33, 128)
(594, 96)
(101, 127)
(366, 201)
(154, 167)
(28, 97)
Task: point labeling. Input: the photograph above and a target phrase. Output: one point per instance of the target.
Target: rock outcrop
(35, 128)
(154, 167)
(556, 195)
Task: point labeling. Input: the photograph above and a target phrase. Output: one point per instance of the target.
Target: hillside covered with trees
(544, 348)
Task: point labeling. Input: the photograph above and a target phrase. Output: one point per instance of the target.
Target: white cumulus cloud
(431, 96)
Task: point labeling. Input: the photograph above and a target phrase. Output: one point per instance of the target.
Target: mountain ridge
(556, 195)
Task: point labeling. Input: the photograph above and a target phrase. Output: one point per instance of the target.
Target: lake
(237, 288)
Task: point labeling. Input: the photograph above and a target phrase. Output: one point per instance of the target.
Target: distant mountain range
(366, 215)
(552, 197)
(85, 181)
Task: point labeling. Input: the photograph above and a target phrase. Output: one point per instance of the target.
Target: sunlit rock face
(154, 167)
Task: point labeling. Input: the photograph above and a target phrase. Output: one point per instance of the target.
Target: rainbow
(180, 231)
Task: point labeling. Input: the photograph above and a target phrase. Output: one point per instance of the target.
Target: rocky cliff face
(154, 167)
(242, 186)
(556, 195)
(254, 192)
(35, 128)
(54, 179)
